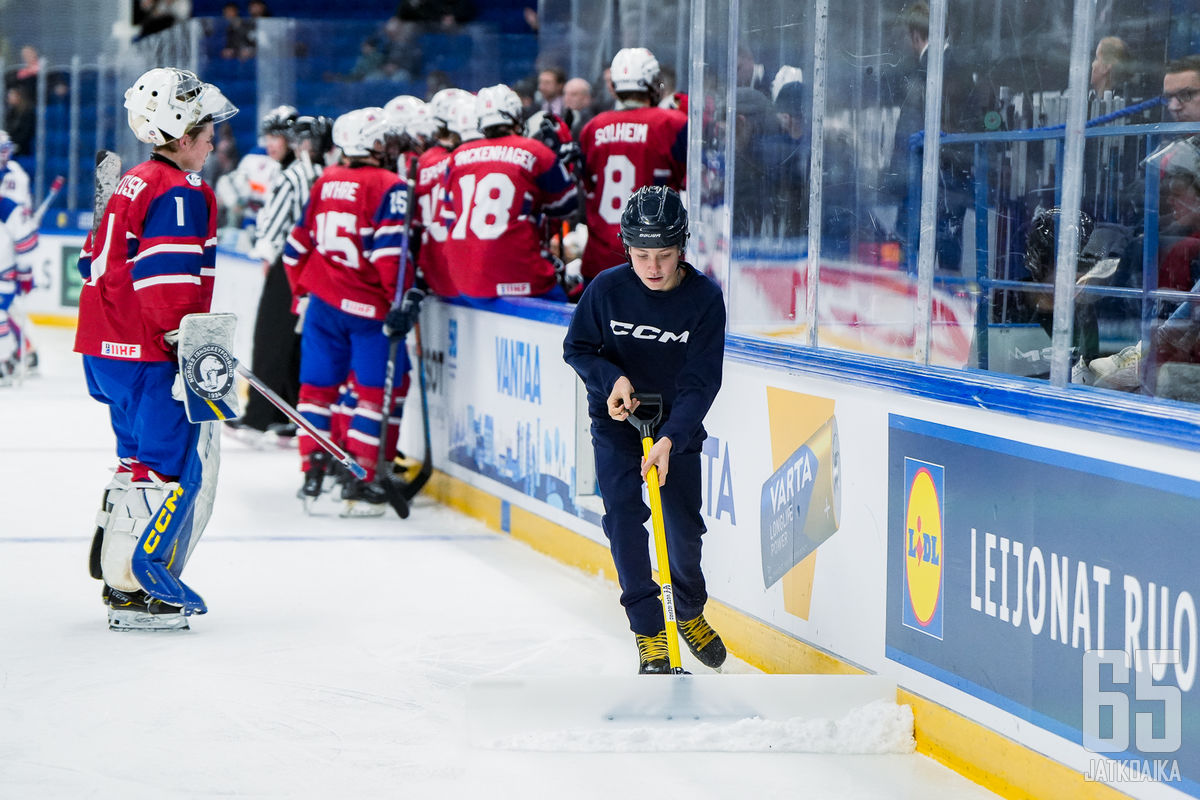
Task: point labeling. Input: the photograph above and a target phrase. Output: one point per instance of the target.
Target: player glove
(400, 320)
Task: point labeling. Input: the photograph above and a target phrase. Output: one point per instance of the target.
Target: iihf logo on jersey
(209, 371)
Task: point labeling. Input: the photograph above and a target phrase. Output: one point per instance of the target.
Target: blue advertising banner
(1058, 588)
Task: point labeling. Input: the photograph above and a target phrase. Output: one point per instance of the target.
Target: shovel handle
(648, 413)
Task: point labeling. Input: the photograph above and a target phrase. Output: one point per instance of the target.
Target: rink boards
(972, 555)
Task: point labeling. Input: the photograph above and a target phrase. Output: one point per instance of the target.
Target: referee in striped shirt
(299, 144)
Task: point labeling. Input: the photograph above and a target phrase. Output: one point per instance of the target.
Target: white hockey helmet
(635, 69)
(497, 105)
(166, 102)
(786, 74)
(462, 119)
(421, 125)
(403, 107)
(361, 132)
(6, 148)
(442, 103)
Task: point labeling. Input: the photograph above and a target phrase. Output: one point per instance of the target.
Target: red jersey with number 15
(622, 152)
(346, 248)
(151, 261)
(497, 189)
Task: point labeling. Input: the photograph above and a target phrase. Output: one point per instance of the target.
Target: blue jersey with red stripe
(150, 262)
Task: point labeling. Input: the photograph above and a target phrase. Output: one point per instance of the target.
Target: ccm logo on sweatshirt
(646, 332)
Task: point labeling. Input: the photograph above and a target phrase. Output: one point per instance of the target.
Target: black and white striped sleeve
(282, 210)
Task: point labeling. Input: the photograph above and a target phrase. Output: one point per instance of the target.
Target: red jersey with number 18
(497, 189)
(622, 152)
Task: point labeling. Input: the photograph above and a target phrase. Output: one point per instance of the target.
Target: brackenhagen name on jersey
(505, 153)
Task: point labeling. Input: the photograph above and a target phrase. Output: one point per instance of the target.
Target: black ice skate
(314, 477)
(703, 641)
(363, 499)
(652, 650)
(138, 611)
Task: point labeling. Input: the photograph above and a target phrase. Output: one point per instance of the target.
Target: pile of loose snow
(876, 728)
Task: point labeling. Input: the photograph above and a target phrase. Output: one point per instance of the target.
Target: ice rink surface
(335, 658)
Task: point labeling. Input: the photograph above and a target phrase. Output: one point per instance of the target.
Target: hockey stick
(646, 428)
(411, 488)
(274, 399)
(51, 196)
(108, 172)
(397, 497)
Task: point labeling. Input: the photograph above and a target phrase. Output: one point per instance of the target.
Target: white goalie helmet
(497, 105)
(635, 69)
(361, 132)
(165, 103)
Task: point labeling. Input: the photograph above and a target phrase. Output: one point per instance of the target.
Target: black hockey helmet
(278, 121)
(654, 217)
(317, 129)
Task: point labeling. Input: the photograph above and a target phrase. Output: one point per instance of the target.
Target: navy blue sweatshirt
(671, 343)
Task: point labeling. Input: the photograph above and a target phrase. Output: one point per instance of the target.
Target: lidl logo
(924, 546)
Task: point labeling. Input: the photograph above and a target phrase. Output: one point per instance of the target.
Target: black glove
(571, 157)
(400, 320)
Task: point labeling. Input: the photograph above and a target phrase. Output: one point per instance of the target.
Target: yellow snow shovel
(577, 711)
(650, 408)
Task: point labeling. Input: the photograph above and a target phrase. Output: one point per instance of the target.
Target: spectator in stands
(20, 120)
(26, 75)
(401, 52)
(577, 102)
(605, 97)
(152, 16)
(446, 14)
(238, 42)
(752, 201)
(550, 89)
(1112, 66)
(1178, 246)
(960, 112)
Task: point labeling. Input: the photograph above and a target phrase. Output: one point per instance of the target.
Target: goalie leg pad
(113, 492)
(124, 525)
(176, 525)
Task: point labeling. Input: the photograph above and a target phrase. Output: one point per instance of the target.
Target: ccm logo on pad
(646, 332)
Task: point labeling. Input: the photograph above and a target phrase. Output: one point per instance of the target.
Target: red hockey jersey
(430, 202)
(151, 261)
(346, 248)
(624, 151)
(497, 190)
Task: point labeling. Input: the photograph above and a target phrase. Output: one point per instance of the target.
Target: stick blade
(607, 713)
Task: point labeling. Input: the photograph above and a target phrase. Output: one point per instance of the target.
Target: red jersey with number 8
(497, 190)
(622, 152)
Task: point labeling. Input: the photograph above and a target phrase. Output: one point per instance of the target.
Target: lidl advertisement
(1014, 575)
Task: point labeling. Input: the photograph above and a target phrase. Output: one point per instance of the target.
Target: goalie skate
(137, 611)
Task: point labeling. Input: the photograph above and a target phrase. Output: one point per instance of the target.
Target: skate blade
(123, 619)
(357, 508)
